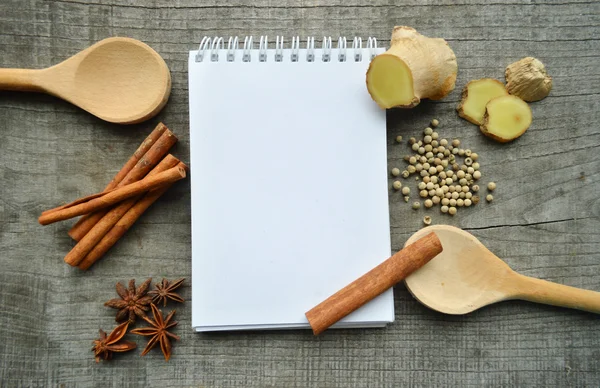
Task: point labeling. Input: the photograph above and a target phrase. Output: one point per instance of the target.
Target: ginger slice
(506, 118)
(415, 67)
(475, 97)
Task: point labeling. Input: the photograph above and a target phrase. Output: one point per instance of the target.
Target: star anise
(106, 345)
(159, 331)
(133, 301)
(164, 291)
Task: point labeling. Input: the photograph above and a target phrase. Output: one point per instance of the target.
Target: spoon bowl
(120, 80)
(466, 276)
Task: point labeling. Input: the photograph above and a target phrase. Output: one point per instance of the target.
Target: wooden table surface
(543, 221)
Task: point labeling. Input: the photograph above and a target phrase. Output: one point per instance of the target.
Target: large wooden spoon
(466, 276)
(120, 80)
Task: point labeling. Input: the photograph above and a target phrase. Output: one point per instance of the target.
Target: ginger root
(415, 67)
(475, 97)
(528, 79)
(506, 118)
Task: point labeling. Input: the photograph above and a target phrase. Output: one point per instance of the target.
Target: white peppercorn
(434, 179)
(429, 154)
(468, 152)
(445, 189)
(422, 186)
(474, 156)
(399, 139)
(449, 173)
(468, 195)
(461, 152)
(433, 170)
(435, 123)
(439, 192)
(395, 171)
(427, 139)
(428, 203)
(461, 195)
(431, 192)
(445, 201)
(452, 202)
(415, 147)
(424, 173)
(423, 193)
(416, 205)
(467, 202)
(422, 159)
(435, 199)
(468, 161)
(465, 189)
(475, 188)
(444, 209)
(491, 186)
(406, 198)
(444, 163)
(412, 141)
(477, 174)
(455, 195)
(460, 174)
(411, 169)
(397, 185)
(475, 166)
(460, 202)
(426, 179)
(489, 197)
(421, 150)
(468, 177)
(406, 190)
(427, 220)
(455, 151)
(434, 143)
(470, 170)
(412, 160)
(428, 131)
(448, 181)
(442, 175)
(435, 135)
(452, 211)
(444, 142)
(463, 182)
(405, 174)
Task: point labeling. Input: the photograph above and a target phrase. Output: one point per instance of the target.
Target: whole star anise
(159, 331)
(105, 346)
(164, 291)
(133, 301)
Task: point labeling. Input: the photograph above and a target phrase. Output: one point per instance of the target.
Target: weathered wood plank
(543, 221)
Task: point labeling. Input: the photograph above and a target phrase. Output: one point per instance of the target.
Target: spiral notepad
(289, 182)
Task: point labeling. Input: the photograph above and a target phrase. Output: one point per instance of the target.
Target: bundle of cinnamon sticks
(108, 215)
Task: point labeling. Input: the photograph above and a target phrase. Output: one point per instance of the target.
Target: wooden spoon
(466, 276)
(120, 80)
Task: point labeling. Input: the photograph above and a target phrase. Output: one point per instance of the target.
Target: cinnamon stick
(114, 196)
(153, 152)
(122, 226)
(141, 151)
(373, 283)
(99, 230)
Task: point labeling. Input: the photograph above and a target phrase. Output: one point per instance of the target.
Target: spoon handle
(543, 291)
(23, 80)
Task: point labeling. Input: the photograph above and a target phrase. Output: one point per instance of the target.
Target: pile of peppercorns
(443, 180)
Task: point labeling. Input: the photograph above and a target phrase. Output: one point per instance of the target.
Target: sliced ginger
(475, 97)
(415, 67)
(506, 118)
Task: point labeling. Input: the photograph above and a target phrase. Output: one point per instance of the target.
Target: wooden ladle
(466, 276)
(120, 80)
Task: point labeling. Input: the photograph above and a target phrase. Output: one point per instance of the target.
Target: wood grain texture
(543, 221)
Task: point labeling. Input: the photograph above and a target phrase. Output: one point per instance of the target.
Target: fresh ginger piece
(528, 79)
(475, 97)
(506, 118)
(415, 67)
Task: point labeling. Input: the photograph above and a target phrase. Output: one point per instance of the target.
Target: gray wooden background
(543, 222)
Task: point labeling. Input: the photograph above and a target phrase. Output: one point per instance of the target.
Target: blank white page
(289, 189)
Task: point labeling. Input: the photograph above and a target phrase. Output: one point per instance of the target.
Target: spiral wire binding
(213, 46)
